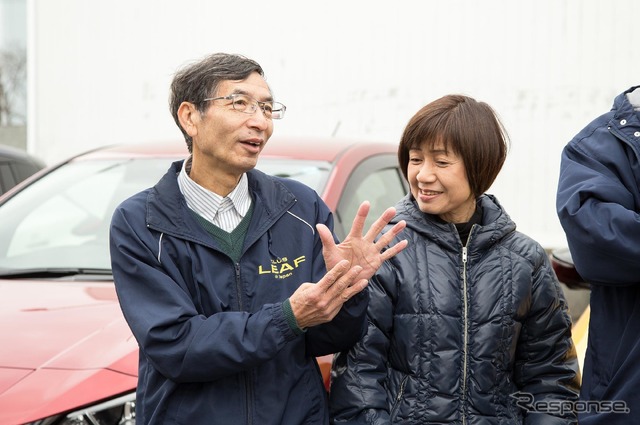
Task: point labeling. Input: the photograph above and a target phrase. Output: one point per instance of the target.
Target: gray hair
(200, 80)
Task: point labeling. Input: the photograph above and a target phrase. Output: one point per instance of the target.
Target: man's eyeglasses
(248, 105)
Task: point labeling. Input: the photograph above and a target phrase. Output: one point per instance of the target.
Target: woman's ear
(189, 118)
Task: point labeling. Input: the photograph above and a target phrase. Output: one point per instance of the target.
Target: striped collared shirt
(225, 212)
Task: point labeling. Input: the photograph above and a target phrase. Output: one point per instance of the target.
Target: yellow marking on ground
(580, 334)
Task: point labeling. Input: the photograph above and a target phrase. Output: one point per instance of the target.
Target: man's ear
(189, 117)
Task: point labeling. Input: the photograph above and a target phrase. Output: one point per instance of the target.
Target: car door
(378, 180)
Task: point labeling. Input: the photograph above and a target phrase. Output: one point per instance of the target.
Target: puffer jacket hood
(498, 225)
(460, 335)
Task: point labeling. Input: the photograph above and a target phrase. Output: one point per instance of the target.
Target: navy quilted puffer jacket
(461, 335)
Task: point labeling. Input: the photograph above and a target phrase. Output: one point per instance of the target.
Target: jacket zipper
(246, 375)
(238, 288)
(399, 397)
(465, 350)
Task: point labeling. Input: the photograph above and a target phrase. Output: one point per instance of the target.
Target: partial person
(221, 340)
(468, 325)
(598, 203)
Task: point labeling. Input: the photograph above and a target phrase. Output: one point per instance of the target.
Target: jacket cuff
(291, 319)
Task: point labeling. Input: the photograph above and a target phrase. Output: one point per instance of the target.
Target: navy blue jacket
(598, 204)
(215, 346)
(476, 335)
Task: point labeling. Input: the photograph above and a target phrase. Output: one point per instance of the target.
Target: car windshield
(60, 223)
(312, 173)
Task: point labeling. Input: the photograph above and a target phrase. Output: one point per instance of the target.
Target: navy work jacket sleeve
(598, 199)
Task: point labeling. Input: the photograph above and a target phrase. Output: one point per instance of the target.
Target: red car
(67, 355)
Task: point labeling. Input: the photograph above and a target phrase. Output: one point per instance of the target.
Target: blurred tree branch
(13, 73)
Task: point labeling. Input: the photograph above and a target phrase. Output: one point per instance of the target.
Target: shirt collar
(207, 203)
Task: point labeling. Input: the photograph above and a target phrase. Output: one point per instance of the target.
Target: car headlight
(118, 411)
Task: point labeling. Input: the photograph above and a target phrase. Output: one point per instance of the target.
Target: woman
(468, 325)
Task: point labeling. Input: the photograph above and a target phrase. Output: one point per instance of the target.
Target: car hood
(63, 344)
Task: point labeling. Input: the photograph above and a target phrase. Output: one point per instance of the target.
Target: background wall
(99, 72)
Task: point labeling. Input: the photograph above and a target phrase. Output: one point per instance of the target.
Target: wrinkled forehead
(254, 85)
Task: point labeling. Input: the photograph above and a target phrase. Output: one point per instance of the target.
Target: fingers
(359, 220)
(319, 303)
(379, 224)
(339, 278)
(326, 237)
(394, 250)
(354, 289)
(387, 237)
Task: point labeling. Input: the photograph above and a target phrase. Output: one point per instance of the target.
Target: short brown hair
(470, 129)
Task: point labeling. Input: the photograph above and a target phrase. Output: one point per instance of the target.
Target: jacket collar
(633, 94)
(625, 123)
(496, 224)
(167, 210)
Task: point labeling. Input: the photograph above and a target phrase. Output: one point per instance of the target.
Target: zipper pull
(464, 254)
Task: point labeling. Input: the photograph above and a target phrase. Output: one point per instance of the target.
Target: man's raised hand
(361, 250)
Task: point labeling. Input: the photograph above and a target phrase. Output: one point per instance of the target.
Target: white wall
(100, 71)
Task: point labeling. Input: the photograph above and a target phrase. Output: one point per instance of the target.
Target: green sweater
(231, 243)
